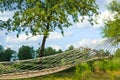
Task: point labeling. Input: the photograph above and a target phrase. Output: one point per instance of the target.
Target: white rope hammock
(49, 64)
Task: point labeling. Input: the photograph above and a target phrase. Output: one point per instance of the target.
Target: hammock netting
(49, 64)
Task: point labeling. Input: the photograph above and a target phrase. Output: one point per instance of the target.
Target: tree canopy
(33, 16)
(1, 52)
(71, 47)
(39, 17)
(112, 27)
(25, 52)
(48, 51)
(6, 54)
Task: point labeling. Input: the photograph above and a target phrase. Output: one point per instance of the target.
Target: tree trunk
(43, 46)
(43, 41)
(42, 51)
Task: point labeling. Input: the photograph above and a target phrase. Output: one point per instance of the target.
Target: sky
(79, 34)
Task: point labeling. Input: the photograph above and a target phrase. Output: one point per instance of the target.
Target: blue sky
(80, 34)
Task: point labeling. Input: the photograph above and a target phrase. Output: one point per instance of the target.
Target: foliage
(82, 71)
(99, 66)
(51, 51)
(112, 27)
(48, 51)
(55, 13)
(8, 54)
(117, 53)
(25, 52)
(1, 52)
(107, 65)
(5, 55)
(70, 48)
(39, 17)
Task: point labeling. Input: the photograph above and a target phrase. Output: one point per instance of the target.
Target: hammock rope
(49, 64)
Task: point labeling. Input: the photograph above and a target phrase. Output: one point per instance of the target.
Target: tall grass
(107, 65)
(82, 71)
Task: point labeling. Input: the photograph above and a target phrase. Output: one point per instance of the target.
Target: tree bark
(42, 51)
(44, 40)
(43, 46)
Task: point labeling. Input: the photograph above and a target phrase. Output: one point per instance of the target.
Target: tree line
(26, 52)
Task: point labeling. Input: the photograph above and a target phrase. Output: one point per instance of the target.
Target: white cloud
(55, 36)
(29, 38)
(6, 15)
(108, 1)
(89, 43)
(83, 24)
(106, 15)
(55, 47)
(68, 34)
(21, 38)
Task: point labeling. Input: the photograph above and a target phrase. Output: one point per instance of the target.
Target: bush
(114, 64)
(100, 65)
(106, 65)
(117, 53)
(82, 71)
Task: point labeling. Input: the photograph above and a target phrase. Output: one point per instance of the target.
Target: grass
(69, 76)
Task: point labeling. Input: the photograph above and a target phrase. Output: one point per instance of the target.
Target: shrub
(82, 71)
(99, 65)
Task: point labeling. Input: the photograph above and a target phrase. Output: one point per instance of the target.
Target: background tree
(8, 54)
(70, 48)
(5, 55)
(59, 51)
(49, 51)
(1, 52)
(112, 27)
(40, 17)
(25, 52)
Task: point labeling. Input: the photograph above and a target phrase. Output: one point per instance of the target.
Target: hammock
(49, 64)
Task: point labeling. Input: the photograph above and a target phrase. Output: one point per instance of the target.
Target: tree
(1, 52)
(112, 27)
(25, 52)
(59, 51)
(5, 55)
(70, 48)
(8, 54)
(40, 17)
(49, 51)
